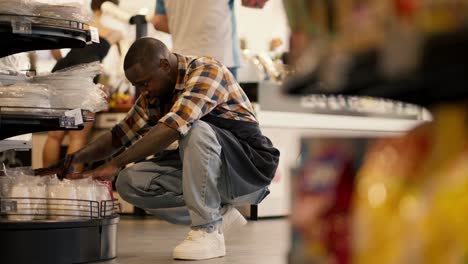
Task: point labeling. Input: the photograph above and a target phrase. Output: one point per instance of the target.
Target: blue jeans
(186, 186)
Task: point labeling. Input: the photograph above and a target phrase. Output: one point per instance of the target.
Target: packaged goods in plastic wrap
(26, 95)
(25, 197)
(86, 192)
(60, 9)
(104, 197)
(37, 193)
(5, 184)
(70, 88)
(74, 87)
(27, 192)
(62, 202)
(14, 64)
(19, 193)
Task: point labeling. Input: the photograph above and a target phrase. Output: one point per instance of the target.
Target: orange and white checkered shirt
(204, 87)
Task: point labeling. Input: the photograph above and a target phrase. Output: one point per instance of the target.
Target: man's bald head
(147, 52)
(151, 68)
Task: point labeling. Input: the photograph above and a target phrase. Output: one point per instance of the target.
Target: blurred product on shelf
(396, 49)
(405, 204)
(259, 67)
(411, 195)
(119, 101)
(408, 201)
(323, 189)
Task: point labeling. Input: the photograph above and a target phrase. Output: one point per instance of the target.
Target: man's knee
(123, 183)
(200, 134)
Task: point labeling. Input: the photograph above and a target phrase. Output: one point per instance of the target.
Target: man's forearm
(99, 149)
(157, 139)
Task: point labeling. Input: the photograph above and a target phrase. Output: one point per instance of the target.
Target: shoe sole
(201, 256)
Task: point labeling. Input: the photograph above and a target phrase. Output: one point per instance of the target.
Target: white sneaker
(232, 219)
(199, 245)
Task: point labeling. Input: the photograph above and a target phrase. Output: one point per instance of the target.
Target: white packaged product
(35, 204)
(19, 193)
(104, 199)
(38, 195)
(19, 172)
(69, 89)
(86, 194)
(74, 87)
(5, 184)
(62, 204)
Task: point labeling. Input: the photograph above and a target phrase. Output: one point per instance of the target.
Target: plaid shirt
(204, 86)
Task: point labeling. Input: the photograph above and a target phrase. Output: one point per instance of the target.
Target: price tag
(94, 34)
(75, 113)
(7, 206)
(21, 27)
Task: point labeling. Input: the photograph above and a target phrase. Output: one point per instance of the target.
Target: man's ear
(164, 65)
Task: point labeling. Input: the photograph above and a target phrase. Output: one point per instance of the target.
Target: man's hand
(103, 173)
(61, 168)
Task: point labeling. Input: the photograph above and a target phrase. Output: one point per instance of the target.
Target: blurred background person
(201, 28)
(90, 53)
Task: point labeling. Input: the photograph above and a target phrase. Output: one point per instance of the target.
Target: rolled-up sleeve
(205, 88)
(136, 120)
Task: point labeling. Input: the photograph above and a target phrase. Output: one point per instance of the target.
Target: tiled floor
(147, 240)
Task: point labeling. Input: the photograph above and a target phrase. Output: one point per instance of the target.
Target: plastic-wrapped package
(104, 198)
(70, 88)
(38, 195)
(19, 193)
(62, 203)
(61, 9)
(86, 192)
(5, 185)
(85, 70)
(28, 191)
(74, 87)
(19, 171)
(9, 78)
(25, 95)
(14, 63)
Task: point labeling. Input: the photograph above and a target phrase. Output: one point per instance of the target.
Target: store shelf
(441, 77)
(22, 142)
(26, 33)
(18, 121)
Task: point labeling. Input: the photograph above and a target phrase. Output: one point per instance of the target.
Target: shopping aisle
(147, 240)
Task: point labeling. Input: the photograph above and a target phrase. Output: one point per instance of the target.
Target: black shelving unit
(26, 33)
(441, 77)
(17, 122)
(75, 241)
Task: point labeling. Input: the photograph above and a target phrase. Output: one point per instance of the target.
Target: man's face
(153, 82)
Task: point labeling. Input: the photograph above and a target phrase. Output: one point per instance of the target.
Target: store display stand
(90, 234)
(25, 33)
(84, 239)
